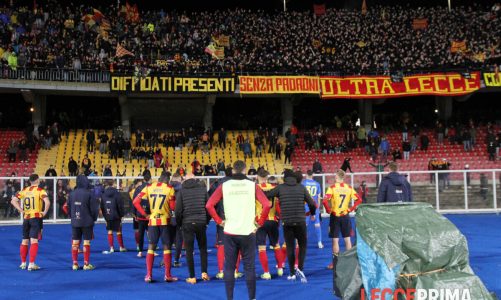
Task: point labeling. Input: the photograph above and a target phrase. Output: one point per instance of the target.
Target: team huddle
(178, 210)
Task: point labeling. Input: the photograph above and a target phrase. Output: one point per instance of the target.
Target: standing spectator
(126, 149)
(394, 187)
(12, 187)
(12, 151)
(468, 175)
(22, 148)
(405, 132)
(288, 152)
(103, 142)
(220, 167)
(86, 165)
(222, 138)
(246, 147)
(292, 196)
(491, 149)
(240, 196)
(346, 164)
(440, 133)
(363, 191)
(361, 136)
(72, 167)
(191, 215)
(273, 143)
(425, 142)
(385, 147)
(91, 140)
(158, 158)
(240, 141)
(317, 167)
(113, 147)
(466, 138)
(62, 196)
(473, 135)
(379, 168)
(278, 151)
(406, 147)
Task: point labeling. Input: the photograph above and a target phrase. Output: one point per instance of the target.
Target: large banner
(171, 84)
(279, 85)
(492, 79)
(384, 87)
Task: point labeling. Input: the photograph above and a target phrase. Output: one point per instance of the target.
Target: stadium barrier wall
(450, 191)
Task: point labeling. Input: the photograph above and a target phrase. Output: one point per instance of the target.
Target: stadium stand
(453, 153)
(75, 145)
(20, 168)
(82, 38)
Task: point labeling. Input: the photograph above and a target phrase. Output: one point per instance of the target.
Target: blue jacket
(83, 208)
(394, 188)
(112, 205)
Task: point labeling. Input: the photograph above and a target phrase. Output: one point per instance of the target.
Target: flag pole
(449, 2)
(285, 5)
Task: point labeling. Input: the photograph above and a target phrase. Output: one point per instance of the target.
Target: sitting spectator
(317, 167)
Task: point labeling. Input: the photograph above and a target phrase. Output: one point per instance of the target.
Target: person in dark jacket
(142, 221)
(83, 211)
(317, 167)
(72, 167)
(394, 187)
(91, 140)
(292, 196)
(176, 183)
(193, 217)
(346, 164)
(112, 208)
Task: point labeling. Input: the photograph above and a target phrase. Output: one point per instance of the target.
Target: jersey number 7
(343, 197)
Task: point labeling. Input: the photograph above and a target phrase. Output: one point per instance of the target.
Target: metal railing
(103, 76)
(451, 191)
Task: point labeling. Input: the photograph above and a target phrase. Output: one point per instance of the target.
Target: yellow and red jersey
(338, 198)
(273, 214)
(161, 198)
(32, 201)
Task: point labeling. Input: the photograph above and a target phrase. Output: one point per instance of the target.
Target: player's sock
(168, 262)
(238, 261)
(278, 257)
(120, 240)
(136, 236)
(23, 251)
(263, 258)
(297, 256)
(110, 240)
(318, 232)
(284, 254)
(86, 248)
(74, 253)
(149, 261)
(220, 258)
(33, 252)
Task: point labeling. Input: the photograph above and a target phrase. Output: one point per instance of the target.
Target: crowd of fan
(346, 41)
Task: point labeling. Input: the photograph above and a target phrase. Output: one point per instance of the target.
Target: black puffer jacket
(112, 205)
(83, 208)
(190, 203)
(291, 198)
